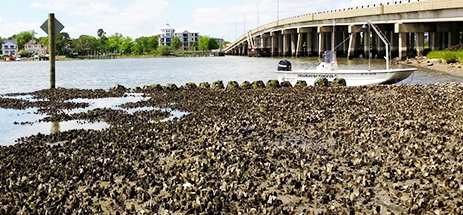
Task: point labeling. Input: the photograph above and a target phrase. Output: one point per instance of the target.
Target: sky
(227, 19)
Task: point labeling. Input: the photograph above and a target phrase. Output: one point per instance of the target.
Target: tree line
(103, 44)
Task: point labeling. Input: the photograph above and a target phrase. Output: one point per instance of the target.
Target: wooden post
(52, 46)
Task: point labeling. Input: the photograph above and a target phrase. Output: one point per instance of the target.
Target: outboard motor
(284, 65)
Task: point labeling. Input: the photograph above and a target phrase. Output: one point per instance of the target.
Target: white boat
(328, 69)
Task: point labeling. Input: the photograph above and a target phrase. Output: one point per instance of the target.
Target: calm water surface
(102, 74)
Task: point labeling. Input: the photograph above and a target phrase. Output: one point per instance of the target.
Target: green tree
(63, 43)
(102, 41)
(164, 50)
(194, 46)
(1, 39)
(126, 45)
(101, 33)
(153, 43)
(114, 42)
(176, 43)
(213, 44)
(144, 45)
(24, 37)
(203, 43)
(85, 44)
(138, 47)
(43, 40)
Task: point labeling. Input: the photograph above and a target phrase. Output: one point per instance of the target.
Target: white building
(166, 36)
(35, 48)
(9, 47)
(187, 39)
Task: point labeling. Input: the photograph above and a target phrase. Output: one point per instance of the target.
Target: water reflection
(55, 128)
(15, 124)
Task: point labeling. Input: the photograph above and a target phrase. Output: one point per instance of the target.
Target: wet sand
(305, 150)
(454, 69)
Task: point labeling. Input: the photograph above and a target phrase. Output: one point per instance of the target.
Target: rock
(321, 82)
(217, 85)
(301, 83)
(258, 84)
(233, 85)
(190, 85)
(339, 82)
(272, 84)
(286, 84)
(246, 85)
(171, 87)
(204, 85)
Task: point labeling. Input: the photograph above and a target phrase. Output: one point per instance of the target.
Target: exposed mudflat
(303, 150)
(454, 69)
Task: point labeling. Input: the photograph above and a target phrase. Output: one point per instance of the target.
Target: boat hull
(352, 77)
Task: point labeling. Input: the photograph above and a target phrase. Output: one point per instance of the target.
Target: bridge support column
(380, 45)
(305, 37)
(274, 43)
(455, 37)
(324, 41)
(293, 44)
(345, 43)
(403, 46)
(352, 46)
(316, 44)
(321, 43)
(354, 41)
(394, 44)
(366, 45)
(420, 44)
(299, 45)
(445, 40)
(411, 42)
(435, 40)
(280, 45)
(285, 45)
(311, 43)
(374, 44)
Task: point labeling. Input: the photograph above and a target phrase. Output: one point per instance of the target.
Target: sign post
(52, 27)
(52, 45)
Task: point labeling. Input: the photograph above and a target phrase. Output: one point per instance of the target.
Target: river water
(28, 76)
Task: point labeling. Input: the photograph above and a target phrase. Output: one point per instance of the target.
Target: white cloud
(136, 19)
(94, 9)
(10, 29)
(145, 10)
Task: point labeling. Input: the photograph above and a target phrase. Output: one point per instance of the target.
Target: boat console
(328, 62)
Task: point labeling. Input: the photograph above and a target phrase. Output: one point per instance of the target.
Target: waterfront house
(9, 47)
(188, 39)
(35, 48)
(166, 36)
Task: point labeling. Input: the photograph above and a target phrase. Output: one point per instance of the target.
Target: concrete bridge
(412, 27)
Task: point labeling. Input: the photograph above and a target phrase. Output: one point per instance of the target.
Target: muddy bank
(454, 69)
(305, 150)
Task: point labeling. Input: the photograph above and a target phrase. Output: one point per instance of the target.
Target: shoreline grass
(448, 56)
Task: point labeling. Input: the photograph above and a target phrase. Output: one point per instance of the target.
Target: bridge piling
(402, 45)
(420, 44)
